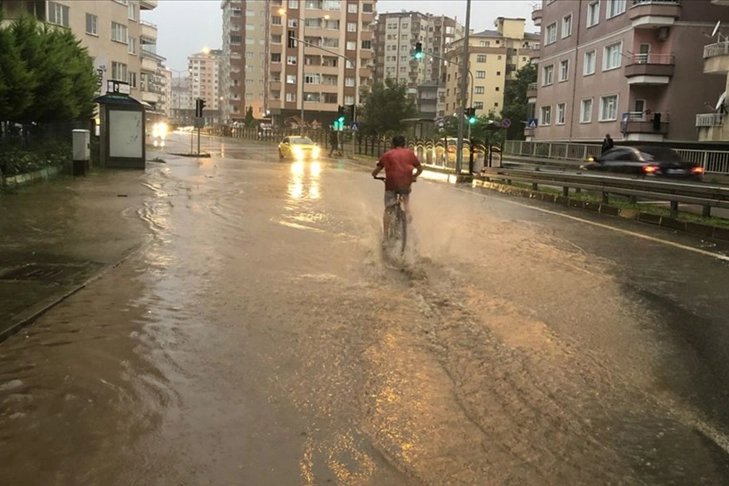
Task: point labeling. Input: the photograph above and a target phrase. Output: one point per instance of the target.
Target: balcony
(723, 3)
(650, 69)
(150, 97)
(636, 127)
(149, 65)
(148, 4)
(716, 58)
(532, 92)
(711, 127)
(149, 30)
(534, 53)
(537, 14)
(651, 14)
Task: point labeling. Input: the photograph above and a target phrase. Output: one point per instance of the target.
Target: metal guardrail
(706, 196)
(713, 161)
(649, 58)
(710, 120)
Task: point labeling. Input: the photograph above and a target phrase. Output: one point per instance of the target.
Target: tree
(60, 70)
(515, 100)
(250, 121)
(384, 108)
(16, 82)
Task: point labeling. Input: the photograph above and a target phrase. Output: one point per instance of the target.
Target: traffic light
(199, 107)
(418, 50)
(351, 112)
(340, 114)
(471, 115)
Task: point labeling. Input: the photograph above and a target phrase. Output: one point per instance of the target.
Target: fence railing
(656, 2)
(717, 49)
(710, 120)
(648, 58)
(713, 161)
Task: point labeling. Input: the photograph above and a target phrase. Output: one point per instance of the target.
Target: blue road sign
(532, 123)
(354, 126)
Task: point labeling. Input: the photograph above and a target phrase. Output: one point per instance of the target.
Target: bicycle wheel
(403, 226)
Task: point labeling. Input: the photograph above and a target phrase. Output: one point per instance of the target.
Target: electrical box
(81, 152)
(81, 145)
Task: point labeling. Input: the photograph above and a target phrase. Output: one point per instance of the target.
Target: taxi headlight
(298, 152)
(315, 151)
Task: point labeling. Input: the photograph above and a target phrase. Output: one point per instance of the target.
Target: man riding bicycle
(398, 163)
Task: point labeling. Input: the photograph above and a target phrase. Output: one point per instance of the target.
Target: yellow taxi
(298, 148)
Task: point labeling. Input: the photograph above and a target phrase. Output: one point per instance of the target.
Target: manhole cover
(41, 272)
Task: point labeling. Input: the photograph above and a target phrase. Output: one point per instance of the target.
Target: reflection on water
(304, 181)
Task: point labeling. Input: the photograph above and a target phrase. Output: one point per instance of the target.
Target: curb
(29, 316)
(693, 228)
(29, 177)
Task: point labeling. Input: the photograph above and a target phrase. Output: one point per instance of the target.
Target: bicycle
(398, 227)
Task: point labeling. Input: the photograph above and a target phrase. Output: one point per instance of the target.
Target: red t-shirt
(399, 164)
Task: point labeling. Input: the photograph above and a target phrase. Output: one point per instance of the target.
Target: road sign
(532, 123)
(354, 126)
(506, 123)
(118, 87)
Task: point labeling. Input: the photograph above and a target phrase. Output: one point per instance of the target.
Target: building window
(276, 20)
(276, 38)
(291, 97)
(366, 44)
(611, 56)
(351, 26)
(276, 57)
(480, 90)
(548, 75)
(546, 115)
(291, 60)
(589, 64)
(352, 8)
(351, 45)
(367, 7)
(566, 26)
(564, 70)
(290, 79)
(349, 100)
(615, 7)
(119, 71)
(118, 33)
(58, 14)
(132, 46)
(92, 24)
(350, 81)
(132, 14)
(133, 80)
(550, 35)
(593, 13)
(561, 109)
(609, 108)
(294, 4)
(312, 79)
(480, 74)
(478, 105)
(484, 43)
(481, 58)
(586, 111)
(250, 27)
(236, 40)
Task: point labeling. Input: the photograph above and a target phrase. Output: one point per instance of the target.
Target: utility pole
(464, 84)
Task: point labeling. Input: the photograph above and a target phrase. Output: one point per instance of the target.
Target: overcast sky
(187, 26)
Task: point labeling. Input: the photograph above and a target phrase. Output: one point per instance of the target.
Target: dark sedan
(645, 161)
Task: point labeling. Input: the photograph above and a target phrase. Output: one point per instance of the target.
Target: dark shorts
(391, 196)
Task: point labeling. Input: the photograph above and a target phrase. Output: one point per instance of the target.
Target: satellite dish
(721, 101)
(716, 28)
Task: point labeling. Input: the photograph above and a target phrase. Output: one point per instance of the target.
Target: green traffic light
(472, 120)
(341, 119)
(418, 55)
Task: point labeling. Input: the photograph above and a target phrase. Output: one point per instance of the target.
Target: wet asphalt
(258, 335)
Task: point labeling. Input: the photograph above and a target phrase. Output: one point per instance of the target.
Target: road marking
(653, 239)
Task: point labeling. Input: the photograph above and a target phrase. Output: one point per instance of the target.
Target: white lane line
(607, 227)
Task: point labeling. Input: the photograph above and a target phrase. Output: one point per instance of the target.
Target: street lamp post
(459, 154)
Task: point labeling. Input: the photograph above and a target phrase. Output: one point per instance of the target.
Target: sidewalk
(55, 236)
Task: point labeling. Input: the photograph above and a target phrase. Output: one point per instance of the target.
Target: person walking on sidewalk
(608, 143)
(333, 142)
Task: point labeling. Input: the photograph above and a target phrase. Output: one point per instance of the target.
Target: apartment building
(395, 37)
(264, 70)
(123, 46)
(713, 123)
(631, 68)
(182, 106)
(204, 69)
(494, 58)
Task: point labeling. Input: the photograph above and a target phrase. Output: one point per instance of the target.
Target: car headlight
(315, 151)
(298, 152)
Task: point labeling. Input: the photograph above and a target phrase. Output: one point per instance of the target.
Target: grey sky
(187, 26)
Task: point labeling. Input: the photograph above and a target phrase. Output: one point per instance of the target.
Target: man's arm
(379, 167)
(418, 166)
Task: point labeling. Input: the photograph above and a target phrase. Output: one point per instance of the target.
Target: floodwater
(262, 338)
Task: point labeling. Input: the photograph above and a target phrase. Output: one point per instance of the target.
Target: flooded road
(261, 338)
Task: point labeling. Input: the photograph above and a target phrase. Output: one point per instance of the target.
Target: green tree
(515, 100)
(63, 84)
(384, 108)
(16, 82)
(250, 121)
